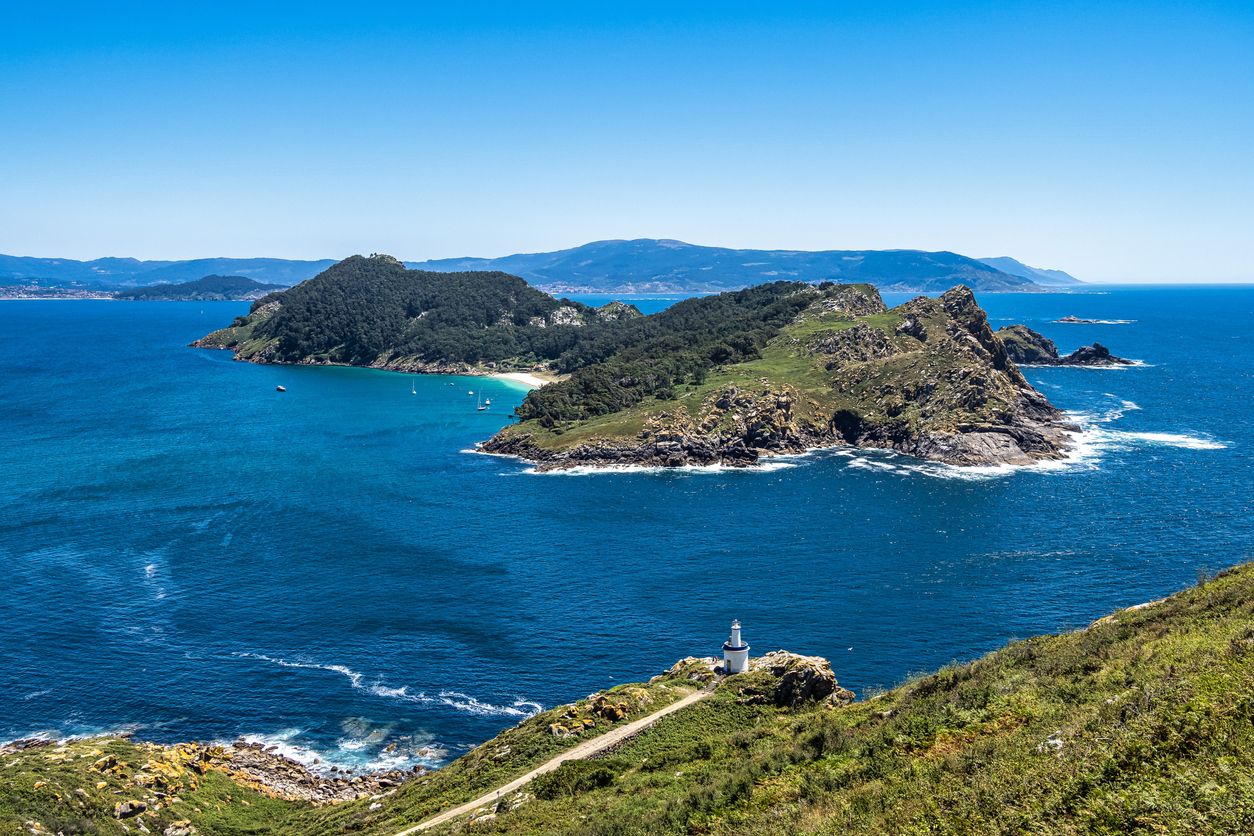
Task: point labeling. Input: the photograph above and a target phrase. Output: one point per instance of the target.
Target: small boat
(413, 387)
(280, 388)
(487, 401)
(470, 393)
(482, 406)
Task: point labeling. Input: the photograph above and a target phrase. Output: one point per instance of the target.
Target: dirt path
(586, 749)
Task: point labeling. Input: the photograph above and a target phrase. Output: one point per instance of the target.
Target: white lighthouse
(735, 652)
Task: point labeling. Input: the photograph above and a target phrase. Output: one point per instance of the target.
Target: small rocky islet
(726, 379)
(1029, 348)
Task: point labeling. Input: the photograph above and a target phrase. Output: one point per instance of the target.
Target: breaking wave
(370, 752)
(520, 707)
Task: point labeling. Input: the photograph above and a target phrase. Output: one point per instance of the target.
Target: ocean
(189, 554)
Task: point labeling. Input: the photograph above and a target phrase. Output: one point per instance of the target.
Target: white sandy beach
(525, 378)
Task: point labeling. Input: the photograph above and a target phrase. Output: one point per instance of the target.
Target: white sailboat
(482, 406)
(413, 387)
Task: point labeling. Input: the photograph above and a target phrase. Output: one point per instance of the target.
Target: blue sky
(1115, 141)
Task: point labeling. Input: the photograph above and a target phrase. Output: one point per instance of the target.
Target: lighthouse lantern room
(735, 652)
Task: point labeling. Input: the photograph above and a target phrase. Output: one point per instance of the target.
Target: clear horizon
(1108, 140)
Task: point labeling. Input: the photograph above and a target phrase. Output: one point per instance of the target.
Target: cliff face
(929, 378)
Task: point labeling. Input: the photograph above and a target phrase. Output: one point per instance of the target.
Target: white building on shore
(735, 651)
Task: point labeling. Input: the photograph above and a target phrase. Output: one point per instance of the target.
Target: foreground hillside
(1141, 723)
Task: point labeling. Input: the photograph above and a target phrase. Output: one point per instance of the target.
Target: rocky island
(726, 379)
(928, 378)
(1027, 347)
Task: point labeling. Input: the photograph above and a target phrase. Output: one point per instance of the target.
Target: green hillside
(1141, 723)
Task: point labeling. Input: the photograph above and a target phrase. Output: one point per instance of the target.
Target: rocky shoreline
(150, 777)
(765, 426)
(171, 769)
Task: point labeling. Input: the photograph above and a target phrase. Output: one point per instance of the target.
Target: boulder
(1093, 355)
(801, 679)
(128, 809)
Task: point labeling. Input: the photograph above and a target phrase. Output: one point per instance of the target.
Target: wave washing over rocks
(1089, 441)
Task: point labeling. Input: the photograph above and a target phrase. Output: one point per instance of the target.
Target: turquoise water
(192, 555)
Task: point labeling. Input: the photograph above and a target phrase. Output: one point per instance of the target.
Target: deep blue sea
(191, 555)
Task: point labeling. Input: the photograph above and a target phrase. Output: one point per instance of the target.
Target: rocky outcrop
(614, 311)
(857, 344)
(802, 679)
(1093, 355)
(852, 300)
(263, 769)
(792, 679)
(1028, 347)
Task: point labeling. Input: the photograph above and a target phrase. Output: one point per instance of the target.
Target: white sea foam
(1088, 446)
(767, 465)
(1106, 367)
(1097, 322)
(521, 707)
(1187, 442)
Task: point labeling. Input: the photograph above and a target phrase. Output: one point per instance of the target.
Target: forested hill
(210, 288)
(372, 311)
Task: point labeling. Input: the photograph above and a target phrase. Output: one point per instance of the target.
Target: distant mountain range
(643, 265)
(208, 289)
(1048, 278)
(648, 265)
(131, 272)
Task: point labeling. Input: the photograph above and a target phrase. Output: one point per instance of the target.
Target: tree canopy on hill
(648, 356)
(209, 287)
(363, 308)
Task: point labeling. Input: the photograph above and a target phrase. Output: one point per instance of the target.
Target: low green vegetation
(1141, 723)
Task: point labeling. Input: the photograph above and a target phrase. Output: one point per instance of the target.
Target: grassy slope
(1143, 722)
(41, 784)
